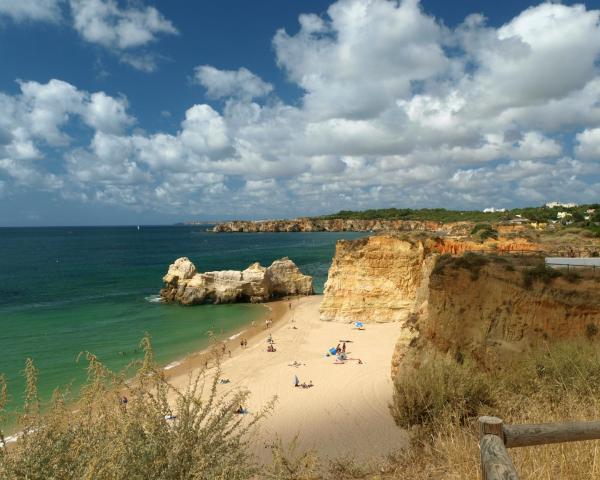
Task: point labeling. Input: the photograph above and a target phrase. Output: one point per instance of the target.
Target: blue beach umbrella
(332, 350)
(358, 325)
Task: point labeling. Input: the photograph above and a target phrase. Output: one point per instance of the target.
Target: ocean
(74, 289)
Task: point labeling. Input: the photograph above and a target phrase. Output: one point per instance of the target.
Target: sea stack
(185, 285)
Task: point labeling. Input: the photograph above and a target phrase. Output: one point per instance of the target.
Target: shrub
(591, 330)
(571, 276)
(484, 231)
(289, 463)
(540, 273)
(440, 388)
(104, 438)
(441, 263)
(472, 262)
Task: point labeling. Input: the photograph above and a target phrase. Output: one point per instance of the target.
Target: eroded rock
(254, 284)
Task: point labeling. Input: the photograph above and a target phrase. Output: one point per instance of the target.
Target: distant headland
(440, 220)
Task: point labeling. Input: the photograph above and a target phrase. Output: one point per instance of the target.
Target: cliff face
(374, 279)
(479, 305)
(255, 284)
(495, 309)
(341, 225)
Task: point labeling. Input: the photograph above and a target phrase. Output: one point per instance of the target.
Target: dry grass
(98, 437)
(551, 383)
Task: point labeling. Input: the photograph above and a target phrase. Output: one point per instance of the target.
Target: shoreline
(274, 310)
(345, 412)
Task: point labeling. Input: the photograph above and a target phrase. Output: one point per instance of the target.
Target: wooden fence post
(496, 463)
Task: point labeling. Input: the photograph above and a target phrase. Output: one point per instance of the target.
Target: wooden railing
(495, 438)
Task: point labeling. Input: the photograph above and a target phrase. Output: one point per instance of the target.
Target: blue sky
(117, 112)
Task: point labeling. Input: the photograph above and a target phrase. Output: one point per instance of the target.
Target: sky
(152, 112)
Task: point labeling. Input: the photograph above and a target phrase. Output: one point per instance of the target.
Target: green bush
(540, 273)
(470, 261)
(484, 231)
(104, 438)
(440, 388)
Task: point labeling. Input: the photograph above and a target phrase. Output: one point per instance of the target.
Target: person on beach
(242, 343)
(296, 381)
(338, 349)
(344, 347)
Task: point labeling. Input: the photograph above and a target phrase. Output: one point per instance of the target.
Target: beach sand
(346, 412)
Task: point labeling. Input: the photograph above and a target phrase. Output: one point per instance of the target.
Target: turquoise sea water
(74, 289)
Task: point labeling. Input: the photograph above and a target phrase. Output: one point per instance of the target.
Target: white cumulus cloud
(240, 83)
(31, 10)
(396, 109)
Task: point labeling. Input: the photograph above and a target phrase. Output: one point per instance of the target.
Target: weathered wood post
(496, 464)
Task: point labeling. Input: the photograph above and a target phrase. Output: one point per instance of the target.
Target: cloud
(588, 144)
(106, 114)
(365, 54)
(35, 121)
(122, 31)
(32, 10)
(240, 83)
(102, 22)
(395, 109)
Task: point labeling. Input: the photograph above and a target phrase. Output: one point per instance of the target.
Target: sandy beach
(346, 412)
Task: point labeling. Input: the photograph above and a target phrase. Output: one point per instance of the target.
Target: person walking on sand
(344, 347)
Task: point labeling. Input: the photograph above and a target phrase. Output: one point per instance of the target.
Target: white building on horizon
(561, 205)
(493, 210)
(561, 215)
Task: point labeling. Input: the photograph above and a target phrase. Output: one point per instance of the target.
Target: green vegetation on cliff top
(442, 215)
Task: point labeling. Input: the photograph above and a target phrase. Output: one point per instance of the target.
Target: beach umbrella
(333, 350)
(358, 325)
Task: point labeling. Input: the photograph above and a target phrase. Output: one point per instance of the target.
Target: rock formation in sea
(343, 225)
(185, 285)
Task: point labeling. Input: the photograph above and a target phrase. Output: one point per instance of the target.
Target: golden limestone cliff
(456, 303)
(344, 225)
(184, 285)
(497, 305)
(374, 279)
